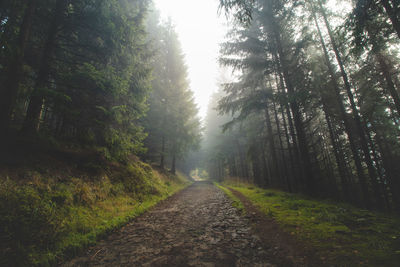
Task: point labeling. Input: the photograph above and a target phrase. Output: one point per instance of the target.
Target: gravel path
(196, 227)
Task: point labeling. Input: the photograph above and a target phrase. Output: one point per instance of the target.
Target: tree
(86, 72)
(172, 123)
(324, 127)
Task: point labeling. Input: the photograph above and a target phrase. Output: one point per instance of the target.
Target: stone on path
(196, 227)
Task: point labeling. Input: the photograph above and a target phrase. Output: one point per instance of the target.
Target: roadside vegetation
(53, 210)
(338, 233)
(85, 99)
(235, 201)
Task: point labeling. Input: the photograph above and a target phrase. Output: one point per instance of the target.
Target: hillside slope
(54, 202)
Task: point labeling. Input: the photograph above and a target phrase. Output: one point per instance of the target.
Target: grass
(339, 234)
(235, 201)
(45, 219)
(91, 223)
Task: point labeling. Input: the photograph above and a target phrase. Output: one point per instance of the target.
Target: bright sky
(200, 31)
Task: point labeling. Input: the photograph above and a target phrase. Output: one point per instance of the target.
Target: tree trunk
(32, 119)
(378, 160)
(275, 167)
(296, 161)
(339, 159)
(243, 167)
(297, 118)
(356, 115)
(173, 167)
(266, 172)
(389, 81)
(10, 89)
(346, 123)
(284, 168)
(162, 152)
(391, 166)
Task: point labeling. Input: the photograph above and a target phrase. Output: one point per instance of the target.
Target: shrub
(28, 222)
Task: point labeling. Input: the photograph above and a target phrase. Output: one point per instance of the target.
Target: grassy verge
(44, 219)
(235, 201)
(339, 234)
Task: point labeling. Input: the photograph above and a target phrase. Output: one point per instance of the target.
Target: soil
(196, 227)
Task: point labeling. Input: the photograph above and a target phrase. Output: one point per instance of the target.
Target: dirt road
(196, 227)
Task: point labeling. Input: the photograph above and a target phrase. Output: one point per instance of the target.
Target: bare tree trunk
(173, 167)
(271, 144)
(266, 172)
(243, 167)
(162, 152)
(284, 168)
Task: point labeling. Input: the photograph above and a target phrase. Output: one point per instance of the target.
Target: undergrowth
(339, 234)
(45, 219)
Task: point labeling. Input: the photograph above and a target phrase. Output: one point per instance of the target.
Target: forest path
(196, 227)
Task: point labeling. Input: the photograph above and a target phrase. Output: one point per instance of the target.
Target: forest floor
(56, 200)
(319, 232)
(196, 227)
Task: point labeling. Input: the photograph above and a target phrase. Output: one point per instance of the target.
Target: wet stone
(196, 227)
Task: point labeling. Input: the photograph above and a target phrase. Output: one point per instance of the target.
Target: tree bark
(296, 161)
(283, 157)
(343, 173)
(391, 166)
(271, 144)
(173, 167)
(297, 118)
(10, 89)
(389, 81)
(346, 122)
(356, 116)
(266, 172)
(32, 119)
(162, 152)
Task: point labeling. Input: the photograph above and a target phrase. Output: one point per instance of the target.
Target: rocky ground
(196, 227)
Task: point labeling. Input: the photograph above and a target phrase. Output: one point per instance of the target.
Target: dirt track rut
(196, 227)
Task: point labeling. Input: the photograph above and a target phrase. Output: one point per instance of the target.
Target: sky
(200, 31)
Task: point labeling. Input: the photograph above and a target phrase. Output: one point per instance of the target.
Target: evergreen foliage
(314, 107)
(172, 123)
(80, 71)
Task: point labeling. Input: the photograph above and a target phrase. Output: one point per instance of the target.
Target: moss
(44, 219)
(235, 201)
(339, 234)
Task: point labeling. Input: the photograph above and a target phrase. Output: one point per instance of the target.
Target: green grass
(45, 219)
(235, 201)
(339, 234)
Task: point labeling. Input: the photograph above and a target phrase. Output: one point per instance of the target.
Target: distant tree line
(82, 72)
(315, 106)
(172, 122)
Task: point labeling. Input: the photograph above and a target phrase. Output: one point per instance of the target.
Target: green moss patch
(339, 234)
(235, 201)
